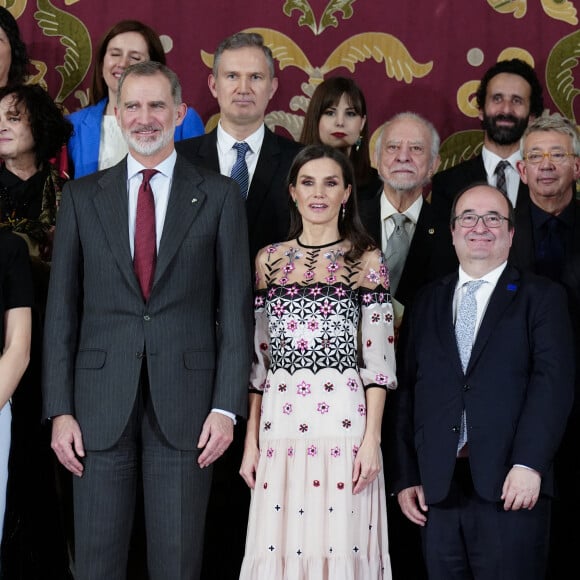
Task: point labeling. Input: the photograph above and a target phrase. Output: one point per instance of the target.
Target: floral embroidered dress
(305, 523)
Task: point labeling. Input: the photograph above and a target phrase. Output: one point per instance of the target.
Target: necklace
(317, 247)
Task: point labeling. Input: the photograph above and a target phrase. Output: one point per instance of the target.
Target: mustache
(502, 117)
(138, 128)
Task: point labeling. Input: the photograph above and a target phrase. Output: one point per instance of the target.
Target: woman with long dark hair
(312, 456)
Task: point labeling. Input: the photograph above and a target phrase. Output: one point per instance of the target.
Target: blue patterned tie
(240, 168)
(464, 334)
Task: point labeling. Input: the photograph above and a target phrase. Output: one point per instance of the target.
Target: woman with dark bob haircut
(13, 56)
(337, 116)
(97, 142)
(312, 446)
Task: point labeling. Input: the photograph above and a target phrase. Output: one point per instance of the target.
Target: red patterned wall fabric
(425, 56)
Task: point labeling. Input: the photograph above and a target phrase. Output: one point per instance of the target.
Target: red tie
(145, 250)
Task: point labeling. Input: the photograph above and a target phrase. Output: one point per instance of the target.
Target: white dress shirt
(512, 177)
(227, 155)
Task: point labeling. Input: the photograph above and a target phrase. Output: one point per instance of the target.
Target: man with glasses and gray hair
(486, 386)
(547, 242)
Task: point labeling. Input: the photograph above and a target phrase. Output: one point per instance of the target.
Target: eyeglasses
(490, 220)
(556, 157)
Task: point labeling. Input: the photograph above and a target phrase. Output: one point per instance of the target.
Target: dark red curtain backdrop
(423, 55)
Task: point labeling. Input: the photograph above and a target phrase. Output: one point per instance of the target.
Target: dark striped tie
(500, 182)
(240, 168)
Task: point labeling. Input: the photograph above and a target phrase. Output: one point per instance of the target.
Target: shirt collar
(540, 217)
(226, 142)
(491, 277)
(490, 160)
(412, 212)
(165, 167)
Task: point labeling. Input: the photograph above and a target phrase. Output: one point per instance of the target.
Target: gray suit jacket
(99, 329)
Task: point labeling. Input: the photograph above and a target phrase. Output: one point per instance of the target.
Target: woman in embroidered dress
(312, 456)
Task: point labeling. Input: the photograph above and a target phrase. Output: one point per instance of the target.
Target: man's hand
(67, 443)
(216, 435)
(521, 489)
(412, 502)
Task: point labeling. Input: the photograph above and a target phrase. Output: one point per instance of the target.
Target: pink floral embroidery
(312, 325)
(315, 291)
(373, 276)
(271, 249)
(303, 389)
(381, 379)
(288, 268)
(340, 292)
(308, 275)
(269, 453)
(287, 409)
(352, 385)
(258, 301)
(278, 308)
(323, 408)
(362, 410)
(290, 451)
(292, 290)
(333, 266)
(335, 452)
(326, 308)
(367, 298)
(291, 325)
(302, 344)
(312, 450)
(330, 279)
(354, 450)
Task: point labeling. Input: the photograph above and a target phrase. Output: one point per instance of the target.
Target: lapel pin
(431, 231)
(512, 287)
(194, 200)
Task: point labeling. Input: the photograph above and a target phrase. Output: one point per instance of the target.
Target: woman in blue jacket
(97, 142)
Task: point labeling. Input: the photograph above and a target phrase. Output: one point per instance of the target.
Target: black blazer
(418, 268)
(517, 389)
(267, 206)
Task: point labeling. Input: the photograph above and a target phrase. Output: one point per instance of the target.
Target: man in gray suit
(139, 379)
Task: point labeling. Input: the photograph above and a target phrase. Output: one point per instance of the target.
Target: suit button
(466, 388)
(147, 317)
(455, 428)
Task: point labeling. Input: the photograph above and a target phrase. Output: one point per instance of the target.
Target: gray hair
(435, 139)
(243, 40)
(557, 123)
(150, 68)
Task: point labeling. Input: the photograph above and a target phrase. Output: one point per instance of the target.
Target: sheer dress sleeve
(376, 324)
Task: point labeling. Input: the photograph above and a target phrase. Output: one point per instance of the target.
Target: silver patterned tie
(397, 248)
(500, 182)
(464, 334)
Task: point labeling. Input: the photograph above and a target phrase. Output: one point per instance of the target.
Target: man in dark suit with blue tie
(486, 388)
(148, 338)
(243, 81)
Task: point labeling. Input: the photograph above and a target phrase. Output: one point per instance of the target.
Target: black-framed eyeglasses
(556, 157)
(490, 220)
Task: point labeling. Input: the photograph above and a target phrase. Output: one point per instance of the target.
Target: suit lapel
(208, 151)
(111, 205)
(265, 170)
(444, 310)
(504, 293)
(185, 201)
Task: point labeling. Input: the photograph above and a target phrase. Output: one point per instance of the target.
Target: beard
(148, 146)
(504, 135)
